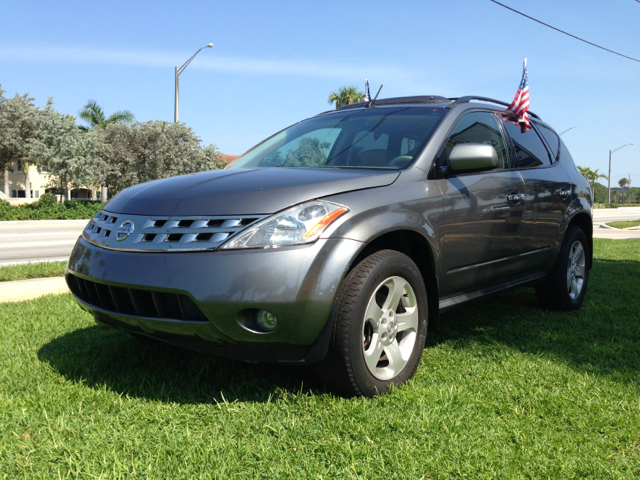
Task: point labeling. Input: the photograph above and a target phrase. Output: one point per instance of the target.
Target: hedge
(47, 208)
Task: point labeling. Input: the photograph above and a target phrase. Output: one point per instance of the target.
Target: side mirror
(473, 156)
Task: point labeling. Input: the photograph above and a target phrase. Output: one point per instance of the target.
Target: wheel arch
(420, 250)
(583, 221)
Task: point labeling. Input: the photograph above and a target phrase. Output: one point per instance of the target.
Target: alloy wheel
(390, 327)
(576, 270)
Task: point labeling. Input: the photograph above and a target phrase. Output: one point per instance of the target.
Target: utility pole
(609, 179)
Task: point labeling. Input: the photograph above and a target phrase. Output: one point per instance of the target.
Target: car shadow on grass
(602, 337)
(98, 356)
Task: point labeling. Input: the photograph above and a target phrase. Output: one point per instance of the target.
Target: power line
(562, 31)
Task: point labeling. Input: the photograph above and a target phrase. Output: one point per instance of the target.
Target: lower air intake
(137, 302)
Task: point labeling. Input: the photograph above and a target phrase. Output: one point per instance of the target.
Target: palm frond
(92, 114)
(124, 116)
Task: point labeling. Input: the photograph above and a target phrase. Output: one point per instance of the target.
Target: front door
(483, 226)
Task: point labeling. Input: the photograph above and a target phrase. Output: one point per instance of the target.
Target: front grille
(101, 225)
(156, 233)
(134, 301)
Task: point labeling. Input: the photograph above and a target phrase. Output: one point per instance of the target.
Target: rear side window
(551, 138)
(529, 148)
(476, 127)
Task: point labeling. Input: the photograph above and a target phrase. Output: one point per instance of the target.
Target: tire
(565, 286)
(379, 326)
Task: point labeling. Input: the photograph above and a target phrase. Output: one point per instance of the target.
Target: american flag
(517, 111)
(367, 93)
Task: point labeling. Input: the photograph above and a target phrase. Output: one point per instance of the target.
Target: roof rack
(399, 101)
(468, 98)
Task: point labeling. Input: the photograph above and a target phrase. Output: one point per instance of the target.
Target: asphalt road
(38, 241)
(606, 215)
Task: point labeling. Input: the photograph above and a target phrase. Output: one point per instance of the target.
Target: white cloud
(157, 59)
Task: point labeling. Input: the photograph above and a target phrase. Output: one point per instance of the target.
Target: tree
(346, 96)
(67, 152)
(94, 115)
(141, 152)
(623, 182)
(592, 176)
(20, 124)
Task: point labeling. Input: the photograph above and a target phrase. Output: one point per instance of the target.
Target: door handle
(515, 197)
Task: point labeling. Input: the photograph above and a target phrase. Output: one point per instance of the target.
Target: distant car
(338, 240)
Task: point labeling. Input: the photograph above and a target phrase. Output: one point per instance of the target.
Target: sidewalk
(33, 288)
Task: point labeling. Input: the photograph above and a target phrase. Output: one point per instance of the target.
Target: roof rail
(468, 98)
(427, 99)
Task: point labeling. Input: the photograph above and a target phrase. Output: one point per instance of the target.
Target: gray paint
(242, 191)
(480, 240)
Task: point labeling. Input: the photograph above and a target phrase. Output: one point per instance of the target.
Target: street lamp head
(209, 45)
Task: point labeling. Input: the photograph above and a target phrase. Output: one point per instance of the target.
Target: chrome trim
(162, 233)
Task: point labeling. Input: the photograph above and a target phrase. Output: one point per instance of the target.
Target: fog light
(266, 321)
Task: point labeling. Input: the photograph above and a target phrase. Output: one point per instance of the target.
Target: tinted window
(308, 150)
(477, 127)
(552, 139)
(364, 138)
(529, 149)
(565, 156)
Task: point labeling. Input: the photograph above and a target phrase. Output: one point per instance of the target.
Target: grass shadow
(98, 356)
(602, 337)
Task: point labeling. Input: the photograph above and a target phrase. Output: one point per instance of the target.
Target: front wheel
(566, 285)
(380, 324)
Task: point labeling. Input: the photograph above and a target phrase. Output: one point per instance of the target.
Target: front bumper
(296, 284)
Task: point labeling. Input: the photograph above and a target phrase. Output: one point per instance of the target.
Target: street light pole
(609, 178)
(176, 110)
(560, 134)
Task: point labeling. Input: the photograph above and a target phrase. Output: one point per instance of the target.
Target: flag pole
(525, 63)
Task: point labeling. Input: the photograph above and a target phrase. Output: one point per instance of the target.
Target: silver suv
(338, 240)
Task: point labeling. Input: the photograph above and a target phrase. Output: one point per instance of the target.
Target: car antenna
(374, 98)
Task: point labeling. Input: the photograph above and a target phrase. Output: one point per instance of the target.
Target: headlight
(298, 225)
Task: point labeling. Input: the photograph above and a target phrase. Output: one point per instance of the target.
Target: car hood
(242, 191)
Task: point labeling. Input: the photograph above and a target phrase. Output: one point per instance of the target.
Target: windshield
(371, 138)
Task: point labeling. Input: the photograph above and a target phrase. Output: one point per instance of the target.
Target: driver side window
(476, 127)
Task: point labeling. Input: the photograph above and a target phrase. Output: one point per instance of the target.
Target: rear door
(548, 191)
(483, 212)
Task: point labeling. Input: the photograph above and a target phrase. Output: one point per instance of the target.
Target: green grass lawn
(504, 390)
(633, 223)
(25, 271)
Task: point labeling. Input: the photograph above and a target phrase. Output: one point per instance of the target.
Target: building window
(14, 194)
(37, 193)
(22, 194)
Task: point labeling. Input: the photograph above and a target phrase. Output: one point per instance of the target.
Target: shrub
(46, 209)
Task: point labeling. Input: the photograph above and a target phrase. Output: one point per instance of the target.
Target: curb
(33, 288)
(34, 260)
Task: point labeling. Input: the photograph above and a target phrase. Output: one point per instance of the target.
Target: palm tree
(592, 177)
(346, 96)
(623, 182)
(94, 115)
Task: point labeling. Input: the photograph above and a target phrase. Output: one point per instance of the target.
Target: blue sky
(275, 63)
